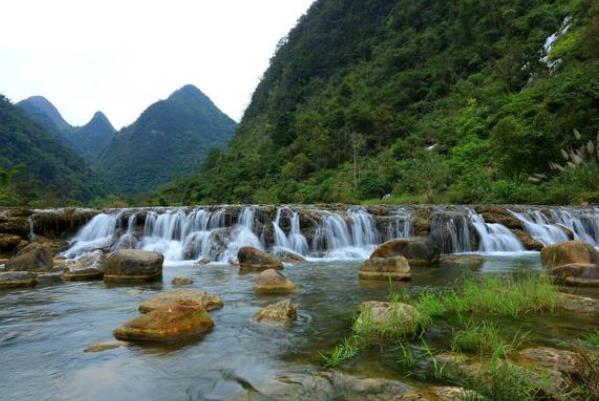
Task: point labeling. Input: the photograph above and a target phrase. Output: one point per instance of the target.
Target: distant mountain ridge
(88, 140)
(172, 136)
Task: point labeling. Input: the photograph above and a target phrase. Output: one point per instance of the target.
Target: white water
(538, 227)
(295, 241)
(494, 237)
(459, 234)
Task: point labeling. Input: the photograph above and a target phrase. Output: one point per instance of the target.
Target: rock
(529, 242)
(199, 298)
(59, 263)
(17, 279)
(389, 318)
(48, 278)
(10, 244)
(577, 274)
(420, 251)
(181, 281)
(422, 221)
(439, 393)
(34, 257)
(101, 346)
(204, 261)
(552, 359)
(85, 268)
(254, 259)
(393, 268)
(567, 253)
(54, 245)
(576, 303)
(472, 261)
(177, 321)
(290, 257)
(133, 265)
(499, 215)
(282, 313)
(272, 281)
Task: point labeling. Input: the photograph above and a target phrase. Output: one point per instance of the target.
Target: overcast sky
(119, 56)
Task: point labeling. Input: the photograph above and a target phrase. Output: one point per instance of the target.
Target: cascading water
(494, 237)
(295, 242)
(457, 227)
(584, 224)
(400, 226)
(99, 233)
(538, 226)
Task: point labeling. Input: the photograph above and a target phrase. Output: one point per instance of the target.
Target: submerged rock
(86, 267)
(389, 318)
(133, 265)
(577, 303)
(181, 281)
(34, 257)
(472, 261)
(272, 281)
(420, 251)
(290, 257)
(191, 297)
(176, 321)
(255, 259)
(17, 279)
(439, 393)
(101, 346)
(392, 268)
(282, 313)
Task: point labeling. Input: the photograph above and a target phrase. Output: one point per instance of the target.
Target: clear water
(44, 331)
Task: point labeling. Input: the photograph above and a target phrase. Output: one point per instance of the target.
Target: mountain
(418, 101)
(59, 174)
(88, 140)
(172, 136)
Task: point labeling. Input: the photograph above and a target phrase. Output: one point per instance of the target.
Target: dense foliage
(35, 168)
(418, 100)
(171, 137)
(88, 140)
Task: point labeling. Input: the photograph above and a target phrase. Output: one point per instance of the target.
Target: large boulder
(272, 281)
(572, 263)
(393, 268)
(133, 265)
(34, 257)
(85, 268)
(255, 259)
(177, 321)
(283, 313)
(389, 319)
(199, 298)
(420, 251)
(568, 253)
(17, 279)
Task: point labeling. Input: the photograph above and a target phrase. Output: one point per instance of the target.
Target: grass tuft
(485, 339)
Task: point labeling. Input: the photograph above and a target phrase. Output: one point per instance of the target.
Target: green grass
(402, 356)
(591, 340)
(485, 339)
(348, 349)
(505, 296)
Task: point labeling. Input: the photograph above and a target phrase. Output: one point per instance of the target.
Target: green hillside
(423, 100)
(171, 137)
(37, 168)
(88, 140)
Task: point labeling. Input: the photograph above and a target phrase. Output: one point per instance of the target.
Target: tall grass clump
(485, 339)
(591, 340)
(342, 352)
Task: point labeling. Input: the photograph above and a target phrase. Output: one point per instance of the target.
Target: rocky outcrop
(419, 251)
(34, 257)
(389, 319)
(472, 261)
(191, 297)
(10, 244)
(391, 268)
(177, 321)
(572, 263)
(283, 313)
(577, 303)
(17, 279)
(85, 268)
(255, 259)
(272, 281)
(133, 265)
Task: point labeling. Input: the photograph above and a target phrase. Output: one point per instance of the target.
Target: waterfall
(538, 227)
(295, 242)
(127, 240)
(99, 233)
(243, 235)
(457, 227)
(494, 237)
(31, 231)
(584, 224)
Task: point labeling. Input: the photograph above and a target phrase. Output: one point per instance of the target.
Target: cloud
(120, 56)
